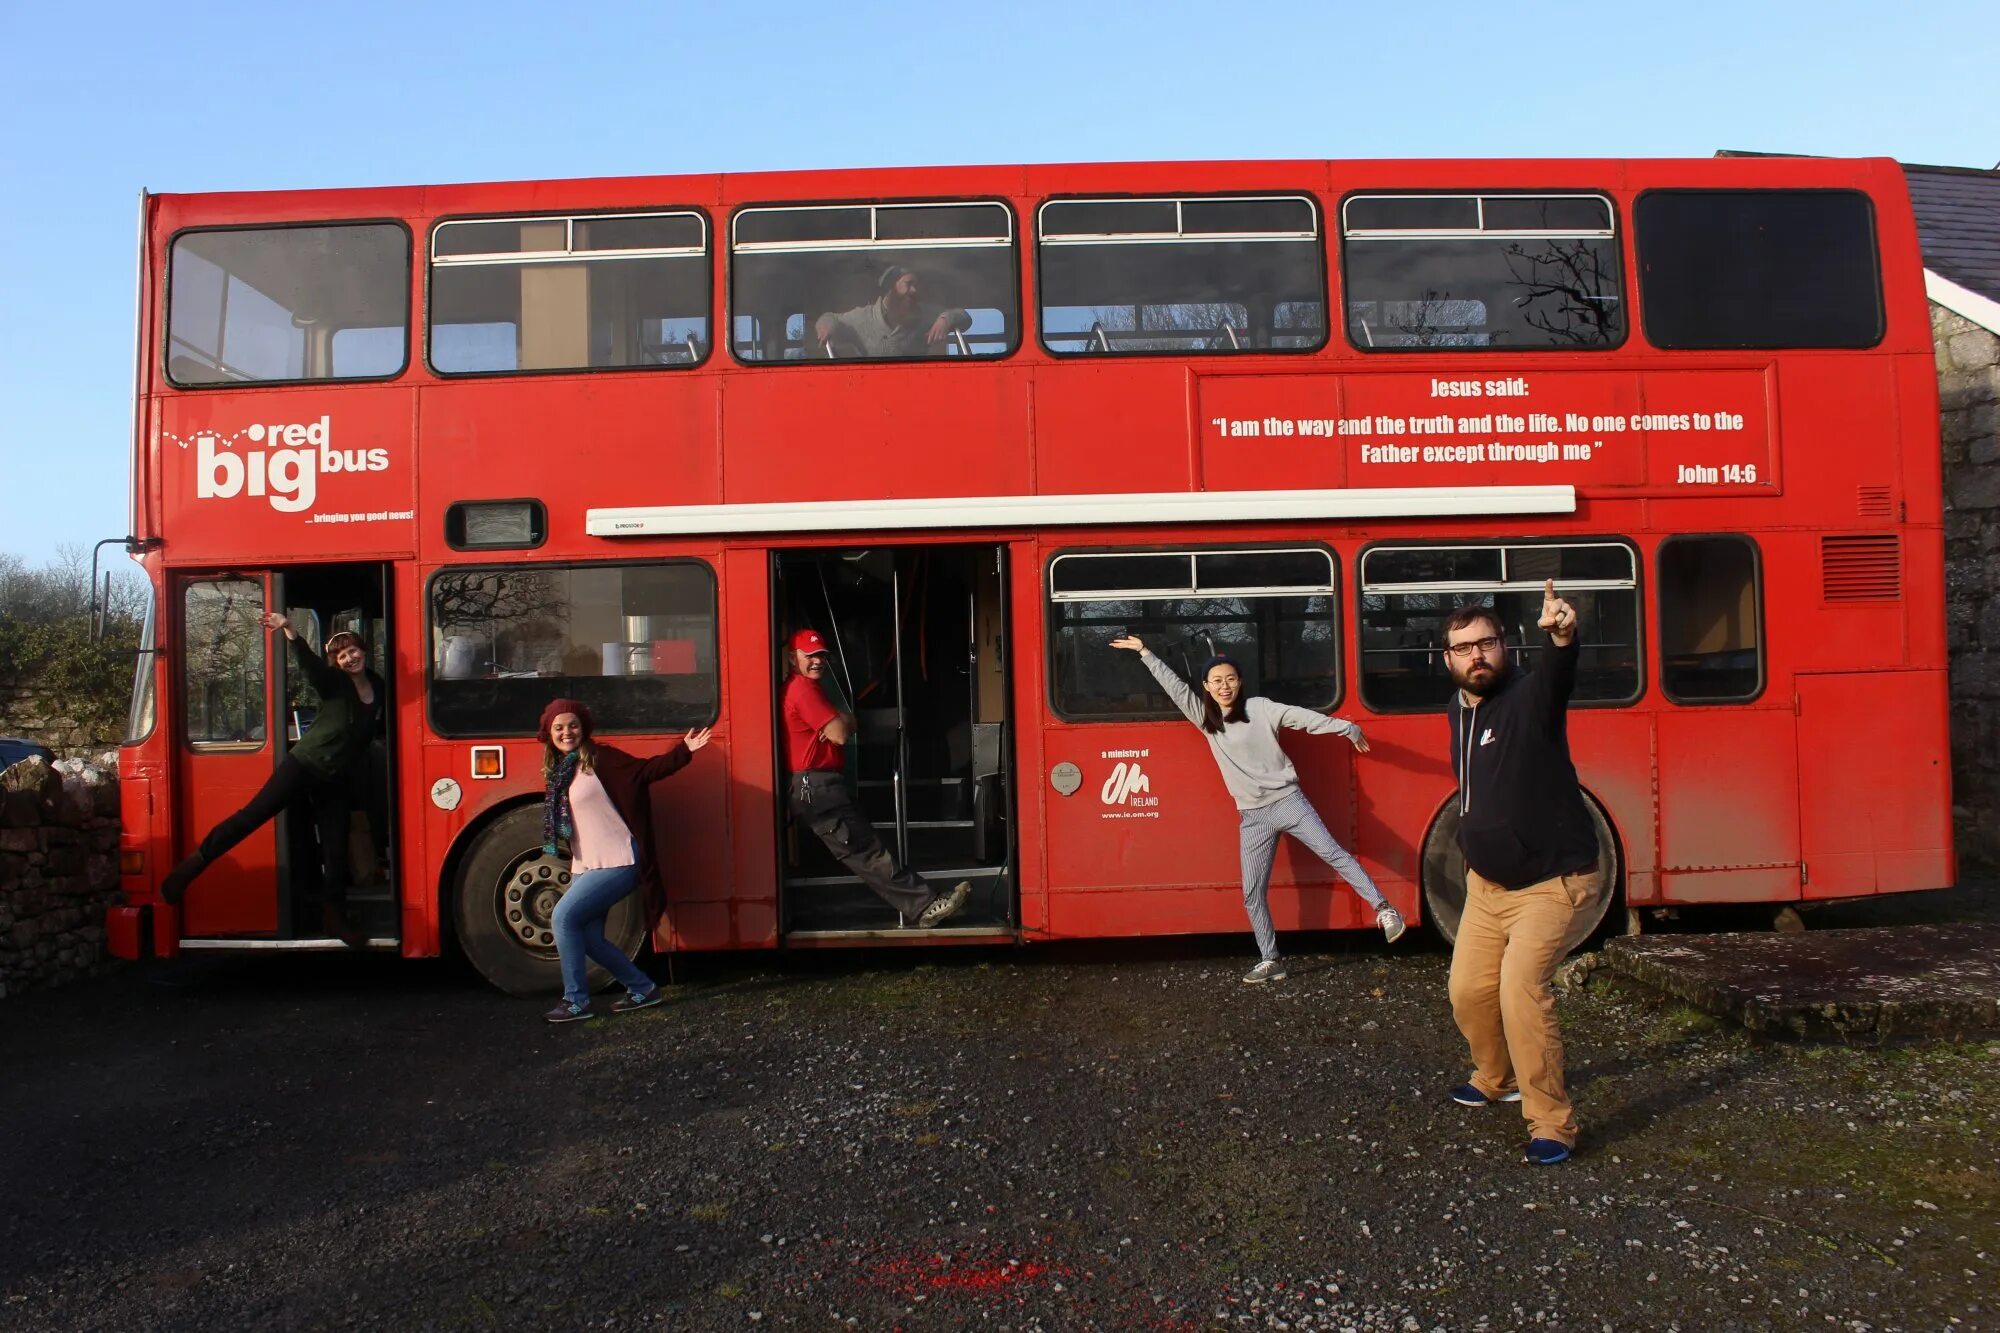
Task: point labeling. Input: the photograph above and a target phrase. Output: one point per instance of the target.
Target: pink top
(602, 841)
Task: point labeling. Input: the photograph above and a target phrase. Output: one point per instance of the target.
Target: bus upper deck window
(1181, 275)
(1759, 268)
(253, 305)
(600, 291)
(873, 282)
(1468, 272)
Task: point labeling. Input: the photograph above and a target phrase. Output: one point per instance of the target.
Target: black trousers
(823, 801)
(332, 801)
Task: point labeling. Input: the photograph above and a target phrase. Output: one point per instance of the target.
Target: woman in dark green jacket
(326, 768)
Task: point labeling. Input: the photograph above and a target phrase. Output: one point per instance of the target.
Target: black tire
(1443, 875)
(507, 888)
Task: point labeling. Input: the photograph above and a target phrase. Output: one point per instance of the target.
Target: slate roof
(1958, 224)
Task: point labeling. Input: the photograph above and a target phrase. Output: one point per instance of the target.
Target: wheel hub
(529, 896)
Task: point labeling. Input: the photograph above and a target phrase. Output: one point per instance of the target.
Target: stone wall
(1968, 362)
(58, 870)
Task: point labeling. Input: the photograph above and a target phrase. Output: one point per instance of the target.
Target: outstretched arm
(1184, 696)
(1319, 724)
(324, 676)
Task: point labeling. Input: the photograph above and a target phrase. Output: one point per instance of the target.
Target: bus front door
(242, 705)
(918, 656)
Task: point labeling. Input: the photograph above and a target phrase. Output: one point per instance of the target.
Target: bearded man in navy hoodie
(1530, 864)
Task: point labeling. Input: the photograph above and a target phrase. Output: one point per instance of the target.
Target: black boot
(334, 921)
(175, 886)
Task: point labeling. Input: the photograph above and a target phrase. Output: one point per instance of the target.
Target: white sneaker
(945, 908)
(1391, 922)
(1268, 970)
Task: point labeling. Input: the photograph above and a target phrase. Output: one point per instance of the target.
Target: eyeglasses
(1488, 645)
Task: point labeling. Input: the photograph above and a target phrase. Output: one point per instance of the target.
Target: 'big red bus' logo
(281, 463)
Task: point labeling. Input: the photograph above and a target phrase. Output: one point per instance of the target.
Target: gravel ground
(1033, 1139)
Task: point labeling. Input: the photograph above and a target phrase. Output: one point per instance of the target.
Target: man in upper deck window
(893, 324)
(1530, 864)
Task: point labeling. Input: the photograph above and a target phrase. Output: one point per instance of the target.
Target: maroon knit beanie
(556, 708)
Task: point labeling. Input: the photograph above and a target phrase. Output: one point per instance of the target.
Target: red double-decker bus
(616, 439)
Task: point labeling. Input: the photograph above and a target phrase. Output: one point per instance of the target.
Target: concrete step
(1886, 982)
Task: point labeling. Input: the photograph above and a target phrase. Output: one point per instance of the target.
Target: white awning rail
(1022, 511)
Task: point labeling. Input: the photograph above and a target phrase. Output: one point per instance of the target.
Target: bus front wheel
(504, 903)
(1444, 875)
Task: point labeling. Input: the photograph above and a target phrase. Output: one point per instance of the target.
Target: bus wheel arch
(1442, 874)
(501, 890)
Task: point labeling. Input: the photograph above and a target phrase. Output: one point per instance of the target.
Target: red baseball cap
(809, 642)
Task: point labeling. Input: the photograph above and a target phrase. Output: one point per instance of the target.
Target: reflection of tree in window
(505, 609)
(224, 667)
(1565, 290)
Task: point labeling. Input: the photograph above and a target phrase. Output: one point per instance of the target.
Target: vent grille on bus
(1873, 502)
(1866, 567)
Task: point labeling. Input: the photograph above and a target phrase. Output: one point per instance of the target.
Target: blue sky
(100, 100)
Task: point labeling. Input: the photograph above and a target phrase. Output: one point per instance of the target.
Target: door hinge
(1798, 705)
(1802, 872)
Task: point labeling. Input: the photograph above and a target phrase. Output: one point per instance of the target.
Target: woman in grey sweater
(1242, 734)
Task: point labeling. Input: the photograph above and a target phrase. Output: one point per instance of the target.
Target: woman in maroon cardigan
(597, 803)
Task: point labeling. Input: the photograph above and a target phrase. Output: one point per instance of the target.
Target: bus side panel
(1398, 785)
(1026, 650)
(749, 882)
(693, 819)
(1086, 446)
(1841, 431)
(1613, 753)
(1875, 782)
(1728, 806)
(892, 432)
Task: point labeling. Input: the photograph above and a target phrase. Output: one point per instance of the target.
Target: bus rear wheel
(1443, 875)
(504, 903)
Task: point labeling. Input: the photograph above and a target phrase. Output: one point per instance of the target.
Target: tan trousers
(1509, 942)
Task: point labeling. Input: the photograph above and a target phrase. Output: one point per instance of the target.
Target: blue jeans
(1258, 841)
(579, 930)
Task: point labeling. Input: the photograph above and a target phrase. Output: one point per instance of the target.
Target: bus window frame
(1620, 230)
(1628, 544)
(727, 251)
(570, 215)
(1874, 235)
(1333, 589)
(1318, 242)
(1763, 641)
(429, 628)
(167, 303)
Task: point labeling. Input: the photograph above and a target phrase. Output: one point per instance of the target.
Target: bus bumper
(125, 933)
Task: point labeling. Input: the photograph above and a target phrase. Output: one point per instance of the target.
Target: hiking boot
(333, 920)
(1467, 1095)
(945, 908)
(1391, 922)
(568, 1013)
(175, 886)
(1547, 1152)
(1268, 970)
(629, 1003)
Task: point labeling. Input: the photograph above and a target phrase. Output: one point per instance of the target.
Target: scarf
(557, 822)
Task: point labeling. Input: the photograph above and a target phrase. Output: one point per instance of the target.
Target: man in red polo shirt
(815, 736)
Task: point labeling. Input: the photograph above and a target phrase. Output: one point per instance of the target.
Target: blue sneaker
(1547, 1152)
(568, 1013)
(1467, 1095)
(626, 1004)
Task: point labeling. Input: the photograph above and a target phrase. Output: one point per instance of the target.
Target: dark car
(13, 749)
